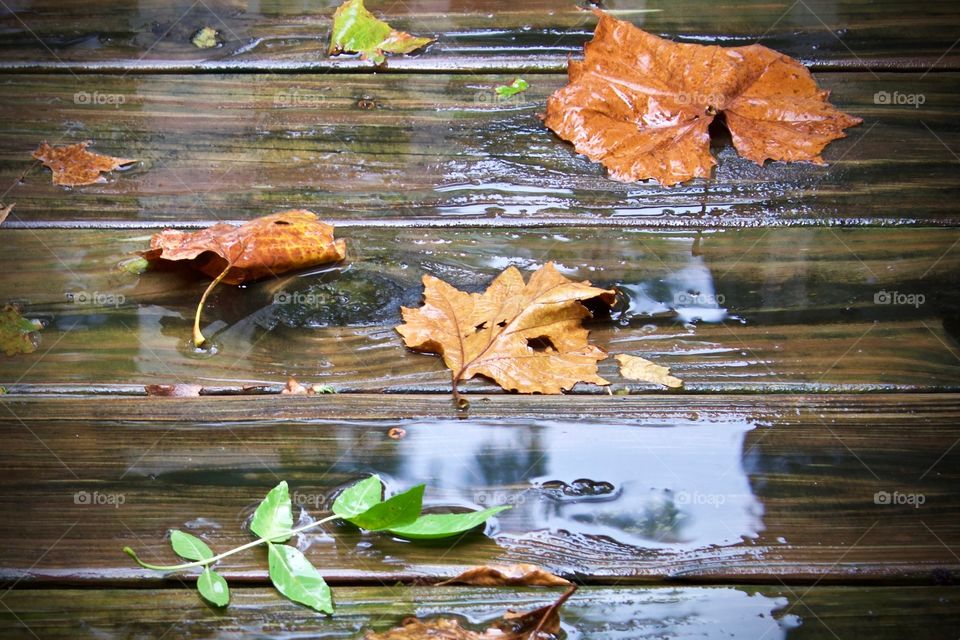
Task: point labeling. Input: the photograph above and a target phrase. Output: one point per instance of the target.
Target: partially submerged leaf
(517, 575)
(266, 246)
(74, 166)
(273, 518)
(397, 511)
(189, 546)
(642, 105)
(356, 30)
(18, 334)
(294, 576)
(443, 525)
(213, 588)
(174, 390)
(637, 368)
(519, 85)
(526, 337)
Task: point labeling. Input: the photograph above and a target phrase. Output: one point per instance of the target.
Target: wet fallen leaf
(266, 246)
(294, 388)
(539, 624)
(636, 368)
(205, 38)
(5, 211)
(526, 337)
(642, 105)
(397, 433)
(18, 334)
(174, 390)
(516, 575)
(356, 30)
(74, 166)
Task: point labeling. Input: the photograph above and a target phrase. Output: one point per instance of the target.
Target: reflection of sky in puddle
(678, 486)
(689, 292)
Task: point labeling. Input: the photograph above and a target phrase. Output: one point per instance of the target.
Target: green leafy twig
(361, 504)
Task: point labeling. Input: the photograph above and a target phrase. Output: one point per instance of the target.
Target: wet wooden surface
(801, 484)
(442, 150)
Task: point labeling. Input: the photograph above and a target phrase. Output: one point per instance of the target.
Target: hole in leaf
(481, 326)
(502, 323)
(280, 222)
(541, 344)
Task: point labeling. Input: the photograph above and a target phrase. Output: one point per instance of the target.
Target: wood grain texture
(760, 490)
(786, 310)
(601, 613)
(537, 35)
(440, 149)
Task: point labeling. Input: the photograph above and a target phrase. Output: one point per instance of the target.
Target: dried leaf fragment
(5, 211)
(356, 30)
(74, 166)
(17, 334)
(174, 390)
(516, 575)
(266, 246)
(294, 388)
(525, 336)
(637, 368)
(206, 38)
(642, 105)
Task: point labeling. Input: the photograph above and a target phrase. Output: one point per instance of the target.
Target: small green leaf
(213, 588)
(444, 525)
(400, 510)
(205, 38)
(189, 546)
(273, 518)
(359, 497)
(356, 30)
(294, 576)
(134, 266)
(517, 86)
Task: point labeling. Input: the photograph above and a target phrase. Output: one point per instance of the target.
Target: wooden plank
(786, 310)
(775, 490)
(609, 613)
(439, 149)
(536, 35)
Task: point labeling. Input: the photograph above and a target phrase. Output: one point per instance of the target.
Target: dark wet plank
(608, 613)
(437, 148)
(808, 309)
(722, 489)
(536, 35)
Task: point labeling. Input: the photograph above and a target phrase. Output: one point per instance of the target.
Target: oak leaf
(642, 105)
(526, 337)
(516, 575)
(74, 166)
(637, 368)
(356, 30)
(266, 246)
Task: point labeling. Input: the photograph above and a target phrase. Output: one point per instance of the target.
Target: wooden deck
(748, 504)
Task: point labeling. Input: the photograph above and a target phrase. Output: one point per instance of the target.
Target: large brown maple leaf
(526, 337)
(642, 105)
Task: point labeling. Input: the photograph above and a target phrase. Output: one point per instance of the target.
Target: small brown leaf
(266, 246)
(636, 368)
(526, 337)
(17, 334)
(5, 211)
(74, 166)
(397, 433)
(642, 105)
(294, 388)
(174, 390)
(516, 575)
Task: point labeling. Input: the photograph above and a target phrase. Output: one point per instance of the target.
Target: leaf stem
(198, 338)
(203, 563)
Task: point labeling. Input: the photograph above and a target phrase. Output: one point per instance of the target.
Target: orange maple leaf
(74, 166)
(642, 105)
(526, 337)
(266, 246)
